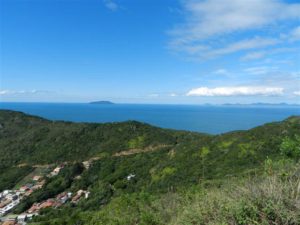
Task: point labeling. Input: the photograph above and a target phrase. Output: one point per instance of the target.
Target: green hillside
(180, 177)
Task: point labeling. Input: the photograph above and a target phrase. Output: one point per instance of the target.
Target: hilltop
(160, 162)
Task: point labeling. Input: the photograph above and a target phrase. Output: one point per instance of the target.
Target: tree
(203, 154)
(290, 147)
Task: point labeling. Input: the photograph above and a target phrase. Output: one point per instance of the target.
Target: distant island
(102, 103)
(260, 104)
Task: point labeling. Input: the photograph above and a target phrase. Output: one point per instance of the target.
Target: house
(40, 184)
(56, 171)
(28, 192)
(12, 196)
(86, 164)
(86, 194)
(62, 197)
(130, 176)
(37, 178)
(76, 198)
(47, 204)
(34, 208)
(29, 185)
(22, 218)
(31, 215)
(5, 202)
(79, 194)
(24, 188)
(5, 192)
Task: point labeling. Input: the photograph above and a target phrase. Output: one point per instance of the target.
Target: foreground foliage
(265, 199)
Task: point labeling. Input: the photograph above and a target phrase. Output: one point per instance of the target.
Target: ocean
(200, 118)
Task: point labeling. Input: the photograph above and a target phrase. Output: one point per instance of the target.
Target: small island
(102, 103)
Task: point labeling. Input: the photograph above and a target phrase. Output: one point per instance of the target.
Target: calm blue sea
(208, 119)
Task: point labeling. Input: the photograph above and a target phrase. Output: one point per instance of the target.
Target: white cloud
(110, 4)
(295, 34)
(4, 92)
(153, 95)
(12, 92)
(260, 70)
(296, 93)
(209, 21)
(214, 17)
(236, 91)
(221, 72)
(253, 43)
(207, 52)
(254, 55)
(173, 95)
(270, 52)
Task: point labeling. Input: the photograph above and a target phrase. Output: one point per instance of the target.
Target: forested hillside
(177, 177)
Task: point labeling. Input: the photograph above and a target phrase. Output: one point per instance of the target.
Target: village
(9, 199)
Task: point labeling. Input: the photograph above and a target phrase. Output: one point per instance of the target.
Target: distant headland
(102, 103)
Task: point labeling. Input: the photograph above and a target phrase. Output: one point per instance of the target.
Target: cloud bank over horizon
(236, 91)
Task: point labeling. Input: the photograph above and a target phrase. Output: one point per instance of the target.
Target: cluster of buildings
(58, 201)
(8, 200)
(16, 219)
(11, 198)
(34, 210)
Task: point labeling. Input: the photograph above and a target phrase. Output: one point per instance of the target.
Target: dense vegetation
(269, 199)
(10, 176)
(243, 177)
(33, 140)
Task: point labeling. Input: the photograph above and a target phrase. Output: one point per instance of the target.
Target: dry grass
(268, 200)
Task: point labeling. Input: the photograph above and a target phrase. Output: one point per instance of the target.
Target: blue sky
(150, 51)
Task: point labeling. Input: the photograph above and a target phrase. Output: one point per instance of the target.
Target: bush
(291, 147)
